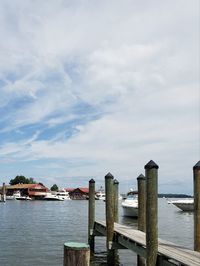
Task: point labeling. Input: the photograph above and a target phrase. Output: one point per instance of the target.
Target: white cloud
(136, 64)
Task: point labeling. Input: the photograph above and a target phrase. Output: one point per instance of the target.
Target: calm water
(33, 233)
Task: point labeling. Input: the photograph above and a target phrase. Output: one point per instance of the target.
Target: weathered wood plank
(136, 241)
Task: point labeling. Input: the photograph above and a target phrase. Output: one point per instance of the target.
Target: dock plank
(165, 248)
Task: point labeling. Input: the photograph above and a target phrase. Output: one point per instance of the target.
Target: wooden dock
(150, 249)
(135, 240)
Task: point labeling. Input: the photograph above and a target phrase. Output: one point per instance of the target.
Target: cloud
(96, 87)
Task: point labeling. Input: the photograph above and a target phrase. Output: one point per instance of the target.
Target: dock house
(34, 191)
(79, 194)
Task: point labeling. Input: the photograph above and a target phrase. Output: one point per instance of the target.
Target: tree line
(20, 179)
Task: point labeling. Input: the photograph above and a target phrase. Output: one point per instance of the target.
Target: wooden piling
(4, 192)
(141, 203)
(196, 184)
(116, 201)
(109, 218)
(151, 173)
(91, 214)
(141, 211)
(76, 254)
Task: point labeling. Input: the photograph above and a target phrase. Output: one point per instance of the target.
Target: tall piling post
(151, 173)
(141, 203)
(91, 214)
(116, 201)
(4, 192)
(141, 211)
(196, 184)
(109, 189)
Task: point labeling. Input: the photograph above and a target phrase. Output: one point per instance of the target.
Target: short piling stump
(76, 254)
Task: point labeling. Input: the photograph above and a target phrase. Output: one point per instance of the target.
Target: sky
(91, 87)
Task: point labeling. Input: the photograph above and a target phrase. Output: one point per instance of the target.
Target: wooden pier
(3, 193)
(150, 249)
(135, 240)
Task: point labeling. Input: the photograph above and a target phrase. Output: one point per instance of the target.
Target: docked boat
(63, 195)
(23, 198)
(130, 206)
(101, 195)
(183, 204)
(13, 196)
(52, 197)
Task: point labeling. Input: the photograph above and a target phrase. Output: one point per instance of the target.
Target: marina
(55, 223)
(99, 133)
(140, 236)
(144, 241)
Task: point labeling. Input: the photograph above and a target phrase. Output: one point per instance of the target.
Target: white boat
(130, 206)
(23, 198)
(52, 197)
(101, 195)
(63, 195)
(14, 196)
(183, 204)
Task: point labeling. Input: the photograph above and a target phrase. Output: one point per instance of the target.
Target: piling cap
(109, 175)
(116, 182)
(197, 166)
(91, 181)
(141, 177)
(76, 245)
(150, 165)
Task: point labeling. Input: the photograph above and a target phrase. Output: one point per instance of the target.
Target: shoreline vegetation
(168, 195)
(171, 195)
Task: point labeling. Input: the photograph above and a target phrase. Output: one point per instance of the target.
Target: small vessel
(101, 195)
(23, 198)
(130, 205)
(52, 197)
(15, 195)
(183, 204)
(63, 195)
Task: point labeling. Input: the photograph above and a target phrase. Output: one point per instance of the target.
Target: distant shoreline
(171, 195)
(168, 195)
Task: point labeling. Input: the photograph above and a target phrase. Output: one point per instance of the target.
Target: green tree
(20, 179)
(54, 188)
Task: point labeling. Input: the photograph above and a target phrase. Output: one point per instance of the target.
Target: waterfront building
(79, 193)
(34, 191)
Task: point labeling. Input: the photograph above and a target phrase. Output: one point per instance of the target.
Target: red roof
(69, 189)
(25, 186)
(83, 189)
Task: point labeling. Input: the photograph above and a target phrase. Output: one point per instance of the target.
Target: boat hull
(23, 198)
(130, 211)
(10, 198)
(53, 199)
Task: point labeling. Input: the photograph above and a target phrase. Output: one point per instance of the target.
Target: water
(33, 233)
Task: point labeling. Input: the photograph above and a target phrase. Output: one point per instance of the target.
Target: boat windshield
(131, 197)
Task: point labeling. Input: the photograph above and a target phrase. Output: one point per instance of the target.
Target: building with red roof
(35, 191)
(79, 193)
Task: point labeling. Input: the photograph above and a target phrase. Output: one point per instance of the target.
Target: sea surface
(32, 233)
